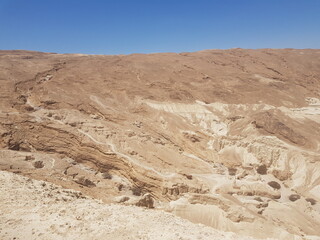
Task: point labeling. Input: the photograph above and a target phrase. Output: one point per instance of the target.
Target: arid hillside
(226, 138)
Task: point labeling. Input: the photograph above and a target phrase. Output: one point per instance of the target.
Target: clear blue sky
(144, 26)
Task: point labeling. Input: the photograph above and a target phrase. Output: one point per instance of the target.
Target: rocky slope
(229, 139)
(47, 211)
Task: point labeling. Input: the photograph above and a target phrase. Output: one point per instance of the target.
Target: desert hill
(226, 138)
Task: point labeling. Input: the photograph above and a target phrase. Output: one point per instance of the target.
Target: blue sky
(146, 26)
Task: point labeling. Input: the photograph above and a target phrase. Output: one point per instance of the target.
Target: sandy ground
(32, 209)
